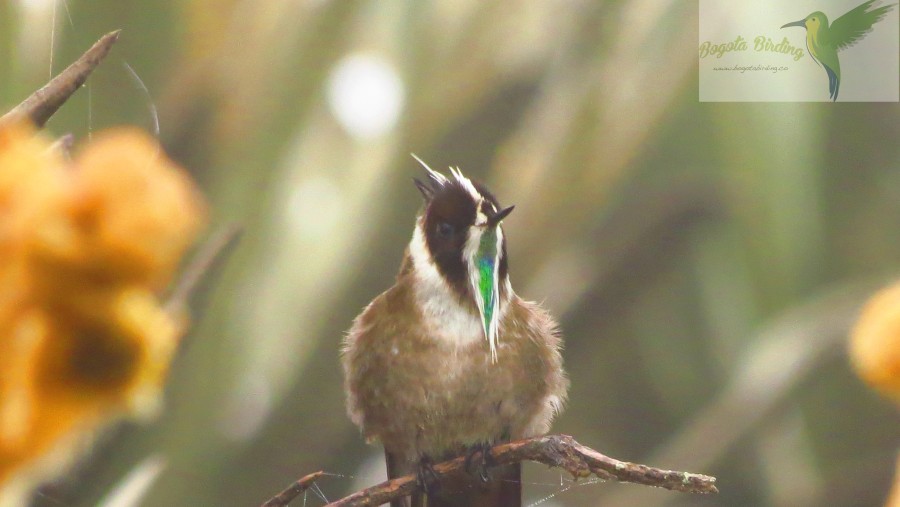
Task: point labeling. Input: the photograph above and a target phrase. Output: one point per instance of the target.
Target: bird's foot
(478, 468)
(426, 477)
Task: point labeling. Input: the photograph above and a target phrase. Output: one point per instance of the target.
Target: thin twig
(293, 491)
(41, 105)
(561, 451)
(203, 261)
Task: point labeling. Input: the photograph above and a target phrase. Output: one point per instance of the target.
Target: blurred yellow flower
(875, 342)
(84, 249)
(894, 500)
(875, 353)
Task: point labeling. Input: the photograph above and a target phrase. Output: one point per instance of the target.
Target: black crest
(450, 210)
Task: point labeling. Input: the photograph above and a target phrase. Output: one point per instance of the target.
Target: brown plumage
(419, 374)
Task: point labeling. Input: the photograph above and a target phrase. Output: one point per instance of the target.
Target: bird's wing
(848, 29)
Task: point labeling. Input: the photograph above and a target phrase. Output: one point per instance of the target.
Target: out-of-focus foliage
(85, 245)
(706, 261)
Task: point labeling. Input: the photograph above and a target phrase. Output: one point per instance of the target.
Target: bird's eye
(445, 230)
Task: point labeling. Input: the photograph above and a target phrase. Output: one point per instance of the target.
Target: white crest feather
(436, 176)
(467, 184)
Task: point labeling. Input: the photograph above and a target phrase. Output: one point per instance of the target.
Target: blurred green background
(706, 260)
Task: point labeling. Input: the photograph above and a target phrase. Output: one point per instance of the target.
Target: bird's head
(464, 242)
(812, 23)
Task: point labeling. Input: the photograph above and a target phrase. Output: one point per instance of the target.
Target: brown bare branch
(41, 105)
(561, 451)
(293, 491)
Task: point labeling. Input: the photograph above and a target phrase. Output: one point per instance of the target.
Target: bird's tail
(503, 489)
(834, 83)
(397, 467)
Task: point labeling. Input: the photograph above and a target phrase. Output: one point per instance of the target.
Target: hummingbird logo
(823, 41)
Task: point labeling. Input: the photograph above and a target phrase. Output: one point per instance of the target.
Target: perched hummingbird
(823, 41)
(450, 360)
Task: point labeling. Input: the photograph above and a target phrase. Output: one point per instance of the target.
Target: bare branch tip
(287, 495)
(42, 104)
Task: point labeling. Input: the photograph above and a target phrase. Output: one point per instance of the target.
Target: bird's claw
(479, 468)
(426, 477)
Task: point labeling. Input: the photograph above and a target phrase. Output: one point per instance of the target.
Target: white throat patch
(449, 321)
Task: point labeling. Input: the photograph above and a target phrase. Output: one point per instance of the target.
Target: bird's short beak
(802, 23)
(499, 216)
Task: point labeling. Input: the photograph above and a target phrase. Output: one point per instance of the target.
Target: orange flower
(875, 353)
(894, 499)
(130, 213)
(84, 247)
(875, 343)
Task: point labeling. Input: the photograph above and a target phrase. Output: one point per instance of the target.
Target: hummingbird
(823, 41)
(450, 361)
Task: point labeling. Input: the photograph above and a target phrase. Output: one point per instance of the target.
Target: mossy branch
(560, 451)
